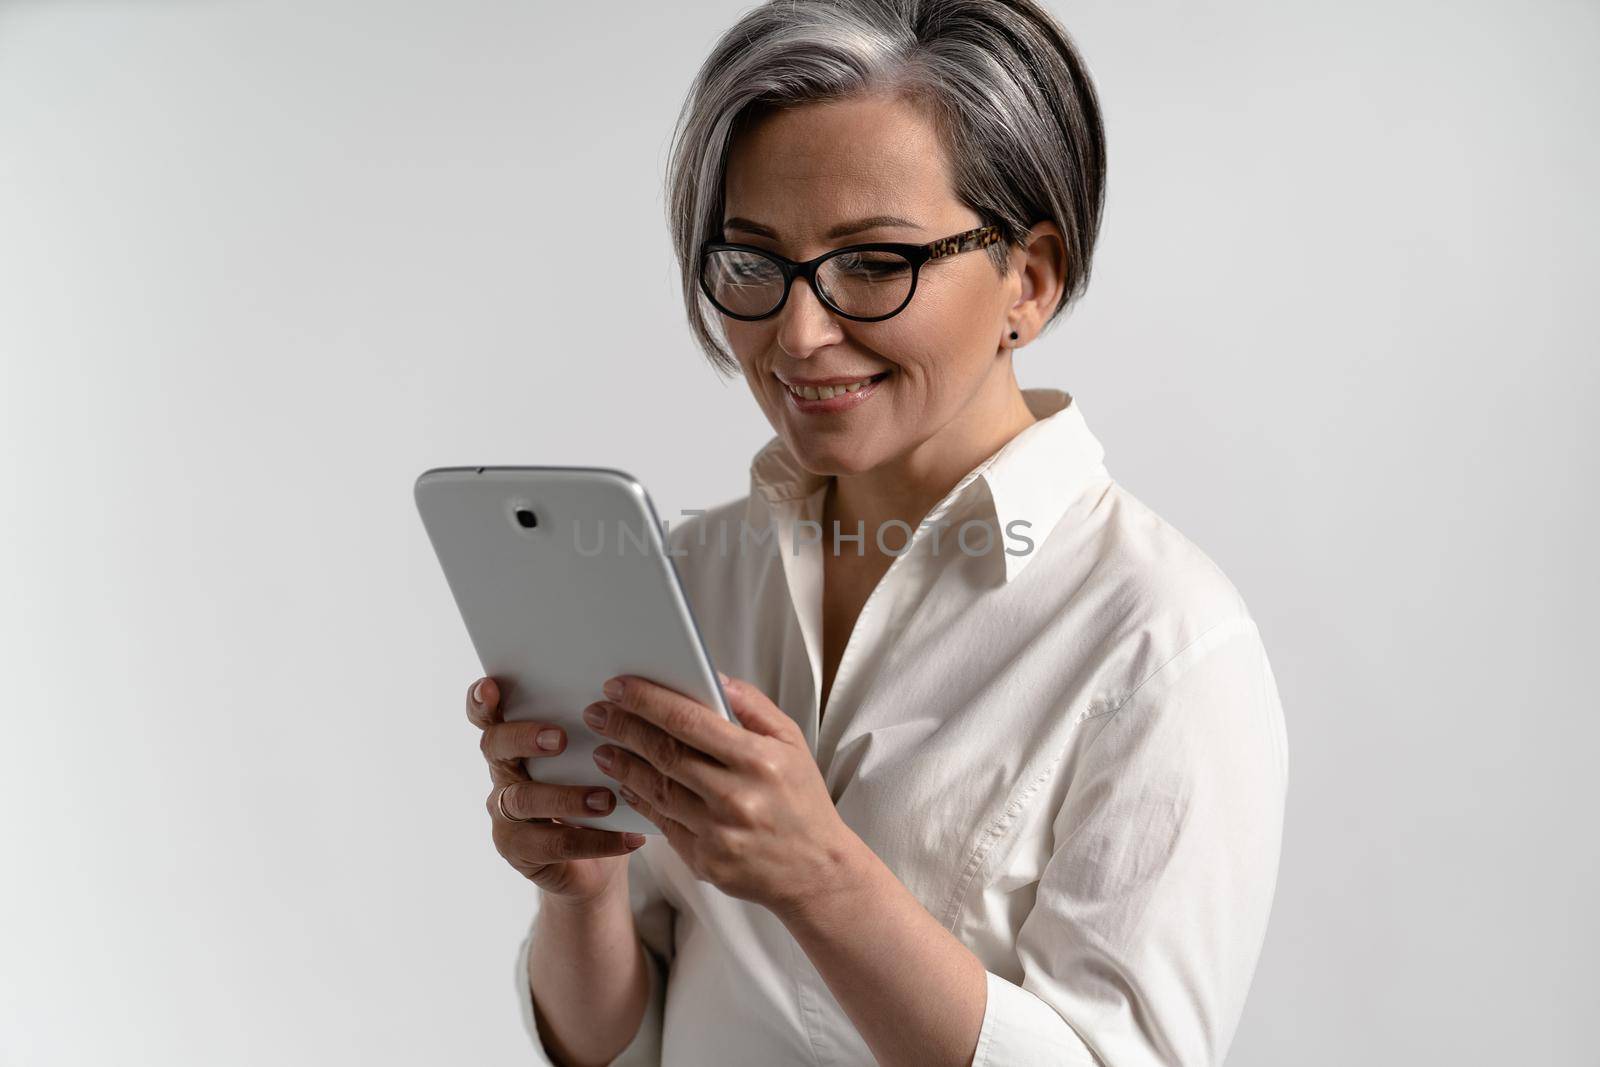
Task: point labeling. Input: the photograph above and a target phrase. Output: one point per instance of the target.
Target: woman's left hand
(747, 809)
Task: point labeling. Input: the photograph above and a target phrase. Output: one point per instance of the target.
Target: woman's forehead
(812, 168)
(859, 135)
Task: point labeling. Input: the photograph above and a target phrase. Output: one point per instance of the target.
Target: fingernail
(627, 794)
(477, 693)
(599, 800)
(550, 739)
(725, 679)
(633, 840)
(613, 689)
(603, 757)
(595, 715)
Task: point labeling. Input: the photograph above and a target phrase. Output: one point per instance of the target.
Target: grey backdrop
(262, 263)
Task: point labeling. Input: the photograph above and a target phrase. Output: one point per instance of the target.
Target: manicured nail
(595, 715)
(550, 739)
(613, 689)
(599, 800)
(477, 693)
(602, 756)
(633, 840)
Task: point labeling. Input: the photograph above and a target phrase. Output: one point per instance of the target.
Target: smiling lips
(824, 387)
(819, 395)
(823, 392)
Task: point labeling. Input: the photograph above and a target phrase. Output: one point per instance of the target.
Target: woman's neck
(907, 488)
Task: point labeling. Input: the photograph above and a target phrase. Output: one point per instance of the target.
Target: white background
(263, 263)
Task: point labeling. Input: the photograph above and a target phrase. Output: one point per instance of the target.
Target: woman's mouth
(834, 395)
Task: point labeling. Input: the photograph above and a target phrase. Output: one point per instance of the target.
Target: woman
(1009, 797)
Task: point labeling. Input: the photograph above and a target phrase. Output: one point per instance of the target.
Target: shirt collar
(1033, 478)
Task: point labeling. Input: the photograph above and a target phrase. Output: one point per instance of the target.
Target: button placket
(803, 575)
(903, 582)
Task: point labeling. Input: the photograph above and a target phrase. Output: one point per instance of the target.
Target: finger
(677, 834)
(504, 770)
(688, 720)
(483, 708)
(544, 842)
(757, 711)
(668, 797)
(512, 740)
(544, 800)
(483, 702)
(674, 758)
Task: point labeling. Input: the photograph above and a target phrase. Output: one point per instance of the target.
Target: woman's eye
(758, 270)
(872, 264)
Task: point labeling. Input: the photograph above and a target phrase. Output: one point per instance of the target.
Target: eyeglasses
(867, 283)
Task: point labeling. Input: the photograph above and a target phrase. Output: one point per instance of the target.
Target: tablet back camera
(526, 519)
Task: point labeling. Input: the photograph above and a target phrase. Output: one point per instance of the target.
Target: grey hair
(1008, 93)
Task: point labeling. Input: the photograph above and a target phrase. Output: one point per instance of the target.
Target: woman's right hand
(573, 862)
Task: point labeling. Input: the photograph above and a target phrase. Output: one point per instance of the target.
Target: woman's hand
(747, 809)
(575, 863)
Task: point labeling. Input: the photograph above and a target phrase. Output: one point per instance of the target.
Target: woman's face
(802, 172)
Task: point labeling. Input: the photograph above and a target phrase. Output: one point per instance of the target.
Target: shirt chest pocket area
(950, 824)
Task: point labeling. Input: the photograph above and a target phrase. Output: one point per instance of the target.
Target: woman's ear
(1041, 265)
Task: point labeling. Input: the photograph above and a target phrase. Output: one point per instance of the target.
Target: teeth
(823, 392)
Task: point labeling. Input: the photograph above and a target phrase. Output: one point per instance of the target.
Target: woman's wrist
(595, 903)
(848, 871)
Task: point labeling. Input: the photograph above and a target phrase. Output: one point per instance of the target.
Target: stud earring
(1013, 335)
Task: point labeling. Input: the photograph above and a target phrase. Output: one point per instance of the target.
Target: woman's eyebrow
(844, 229)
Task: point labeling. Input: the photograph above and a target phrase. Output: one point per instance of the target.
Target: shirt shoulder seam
(1181, 660)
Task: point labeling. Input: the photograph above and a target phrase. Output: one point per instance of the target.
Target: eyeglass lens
(866, 283)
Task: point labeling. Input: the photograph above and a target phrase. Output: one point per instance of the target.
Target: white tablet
(563, 579)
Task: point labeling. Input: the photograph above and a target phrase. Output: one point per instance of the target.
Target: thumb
(752, 708)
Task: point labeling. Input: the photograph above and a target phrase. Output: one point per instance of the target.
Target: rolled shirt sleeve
(1151, 912)
(653, 916)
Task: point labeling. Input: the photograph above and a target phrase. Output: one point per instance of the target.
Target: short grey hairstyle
(1002, 81)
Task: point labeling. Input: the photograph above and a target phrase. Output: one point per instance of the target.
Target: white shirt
(1073, 756)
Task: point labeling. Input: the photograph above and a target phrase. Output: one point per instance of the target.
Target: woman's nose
(805, 324)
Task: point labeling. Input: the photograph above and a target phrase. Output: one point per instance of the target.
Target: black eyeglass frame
(915, 254)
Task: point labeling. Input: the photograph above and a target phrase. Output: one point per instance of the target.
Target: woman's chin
(839, 456)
